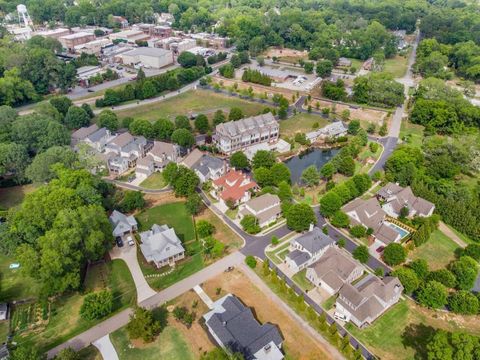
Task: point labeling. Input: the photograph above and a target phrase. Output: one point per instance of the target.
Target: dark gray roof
(206, 163)
(97, 135)
(237, 328)
(299, 257)
(315, 240)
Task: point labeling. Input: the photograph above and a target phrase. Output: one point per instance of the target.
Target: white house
(122, 224)
(206, 167)
(266, 208)
(157, 158)
(396, 198)
(161, 246)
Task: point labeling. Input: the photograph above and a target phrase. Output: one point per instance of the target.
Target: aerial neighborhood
(259, 180)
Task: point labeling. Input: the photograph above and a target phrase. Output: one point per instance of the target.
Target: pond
(317, 157)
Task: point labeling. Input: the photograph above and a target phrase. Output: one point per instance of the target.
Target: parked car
(119, 241)
(380, 249)
(130, 241)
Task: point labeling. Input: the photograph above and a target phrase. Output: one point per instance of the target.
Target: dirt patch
(297, 342)
(257, 89)
(159, 199)
(285, 52)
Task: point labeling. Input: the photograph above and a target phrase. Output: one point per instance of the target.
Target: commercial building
(148, 57)
(130, 36)
(55, 33)
(70, 41)
(94, 47)
(238, 135)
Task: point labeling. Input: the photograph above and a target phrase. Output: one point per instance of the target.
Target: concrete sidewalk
(105, 346)
(203, 295)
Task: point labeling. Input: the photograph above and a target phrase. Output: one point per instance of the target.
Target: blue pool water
(398, 229)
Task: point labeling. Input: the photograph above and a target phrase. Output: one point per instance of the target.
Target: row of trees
(256, 77)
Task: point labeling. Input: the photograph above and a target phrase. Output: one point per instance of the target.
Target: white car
(130, 241)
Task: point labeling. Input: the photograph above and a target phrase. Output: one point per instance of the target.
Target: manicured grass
(301, 280)
(397, 66)
(3, 330)
(65, 321)
(13, 196)
(232, 214)
(169, 345)
(154, 181)
(195, 101)
(273, 255)
(173, 214)
(411, 133)
(15, 286)
(328, 304)
(438, 251)
(302, 123)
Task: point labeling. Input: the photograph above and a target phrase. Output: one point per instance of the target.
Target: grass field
(411, 133)
(301, 280)
(173, 214)
(396, 66)
(195, 101)
(169, 345)
(438, 251)
(461, 235)
(13, 196)
(15, 286)
(301, 122)
(222, 232)
(65, 321)
(154, 181)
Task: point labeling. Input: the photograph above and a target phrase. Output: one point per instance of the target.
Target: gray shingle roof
(207, 162)
(160, 243)
(236, 327)
(121, 223)
(315, 240)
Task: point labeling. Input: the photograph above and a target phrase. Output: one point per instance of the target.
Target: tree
(201, 124)
(239, 160)
(420, 267)
(310, 176)
(142, 127)
(132, 200)
(324, 68)
(182, 122)
(227, 70)
(263, 158)
(25, 352)
(108, 119)
(163, 129)
(62, 104)
(13, 160)
(218, 117)
(340, 219)
(408, 278)
(250, 224)
(361, 254)
(378, 89)
(346, 165)
(284, 191)
(194, 203)
(187, 59)
(97, 305)
(330, 203)
(463, 302)
(327, 170)
(353, 127)
(251, 261)
(280, 173)
(204, 229)
(432, 294)
(40, 170)
(443, 276)
(183, 137)
(76, 118)
(184, 182)
(235, 114)
(142, 325)
(394, 254)
(465, 270)
(14, 90)
(472, 250)
(300, 217)
(439, 348)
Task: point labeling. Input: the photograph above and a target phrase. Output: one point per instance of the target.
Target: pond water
(317, 157)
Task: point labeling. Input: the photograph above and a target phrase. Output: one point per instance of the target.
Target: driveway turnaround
(129, 255)
(105, 346)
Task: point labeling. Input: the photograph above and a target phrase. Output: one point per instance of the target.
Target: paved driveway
(129, 255)
(105, 346)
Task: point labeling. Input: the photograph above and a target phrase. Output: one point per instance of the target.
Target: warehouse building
(149, 57)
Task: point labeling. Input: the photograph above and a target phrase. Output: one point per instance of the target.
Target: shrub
(204, 228)
(97, 305)
(251, 261)
(358, 231)
(250, 224)
(340, 219)
(274, 240)
(143, 325)
(463, 302)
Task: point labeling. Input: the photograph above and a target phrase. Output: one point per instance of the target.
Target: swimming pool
(397, 228)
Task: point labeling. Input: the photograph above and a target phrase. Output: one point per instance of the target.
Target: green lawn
(397, 66)
(301, 280)
(196, 101)
(154, 181)
(169, 345)
(232, 214)
(273, 254)
(65, 321)
(411, 133)
(438, 251)
(328, 304)
(15, 286)
(301, 122)
(461, 235)
(173, 214)
(13, 196)
(3, 330)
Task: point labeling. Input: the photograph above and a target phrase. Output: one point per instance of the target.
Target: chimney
(311, 227)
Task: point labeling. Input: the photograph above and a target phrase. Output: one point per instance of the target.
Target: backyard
(15, 286)
(195, 101)
(63, 320)
(438, 251)
(301, 123)
(397, 66)
(154, 181)
(411, 133)
(13, 196)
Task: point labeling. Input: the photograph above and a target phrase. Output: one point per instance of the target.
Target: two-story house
(234, 186)
(396, 198)
(207, 167)
(124, 150)
(157, 158)
(266, 208)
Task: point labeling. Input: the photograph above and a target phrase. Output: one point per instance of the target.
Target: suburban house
(206, 167)
(307, 248)
(161, 246)
(344, 62)
(369, 298)
(234, 328)
(82, 133)
(122, 224)
(238, 135)
(333, 269)
(99, 139)
(4, 310)
(234, 186)
(331, 131)
(396, 198)
(157, 158)
(281, 146)
(124, 151)
(266, 208)
(370, 214)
